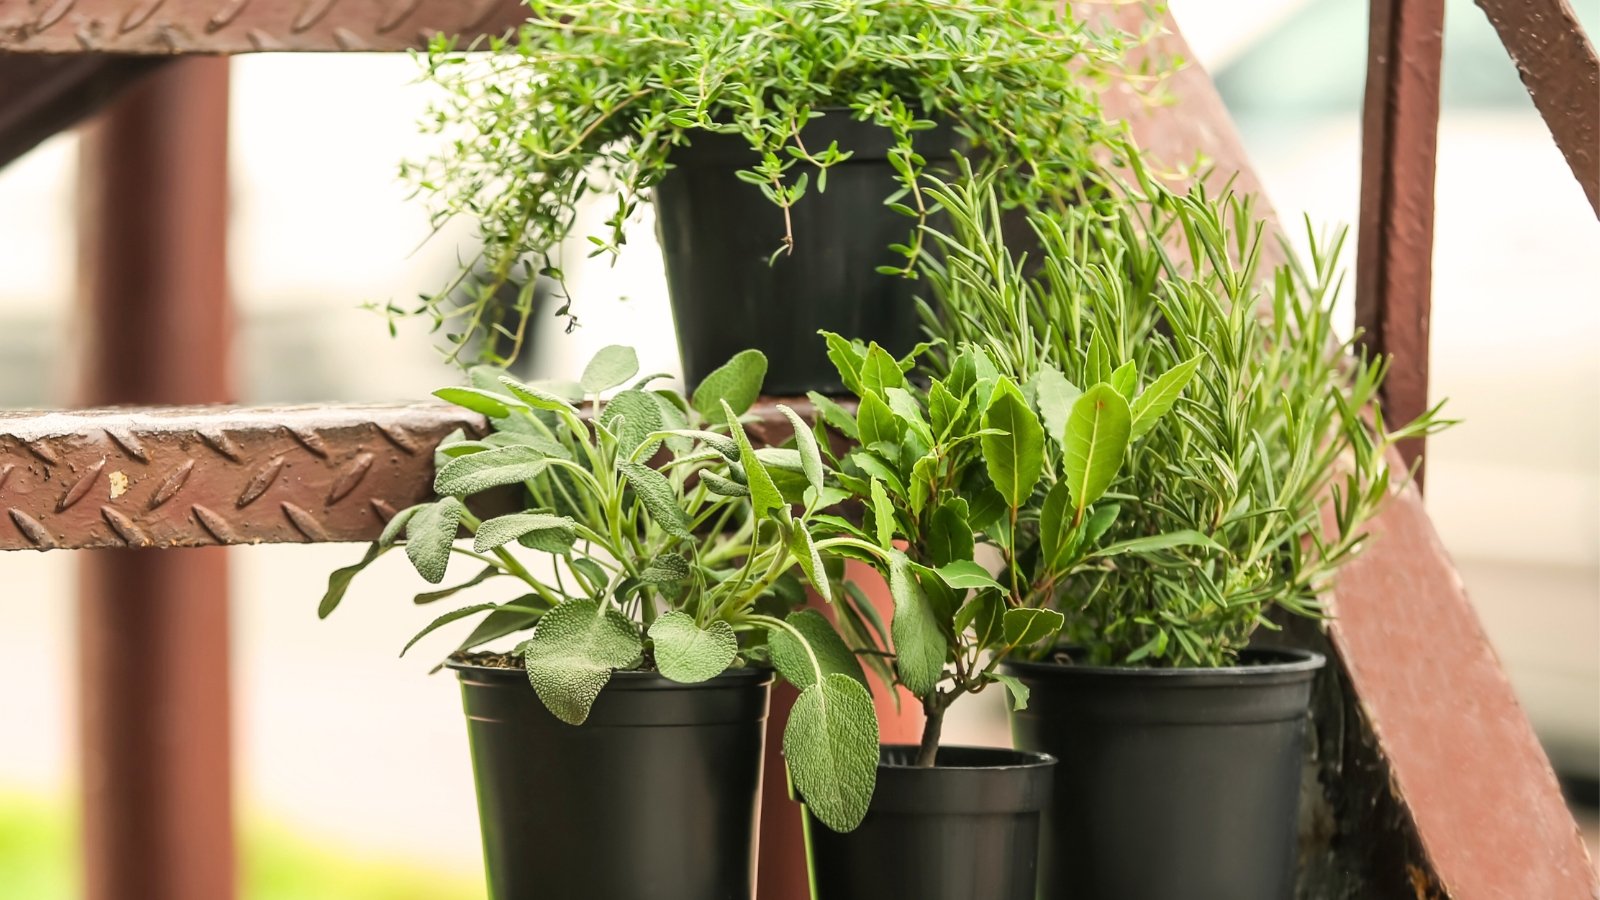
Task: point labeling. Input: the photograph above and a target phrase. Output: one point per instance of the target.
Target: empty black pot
(717, 234)
(655, 797)
(966, 829)
(1174, 784)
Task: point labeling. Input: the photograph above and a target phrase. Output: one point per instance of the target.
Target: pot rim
(1292, 661)
(1025, 759)
(625, 679)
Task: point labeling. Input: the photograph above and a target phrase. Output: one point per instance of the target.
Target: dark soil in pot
(1174, 784)
(655, 797)
(966, 829)
(718, 233)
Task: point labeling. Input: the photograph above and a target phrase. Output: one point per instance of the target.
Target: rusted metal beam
(1394, 254)
(1461, 759)
(41, 95)
(1558, 66)
(201, 477)
(164, 27)
(153, 628)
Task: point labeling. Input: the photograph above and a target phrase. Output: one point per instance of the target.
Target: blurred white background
(339, 741)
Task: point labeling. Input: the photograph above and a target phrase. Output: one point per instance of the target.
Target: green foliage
(1219, 416)
(658, 530)
(929, 465)
(831, 745)
(687, 653)
(592, 98)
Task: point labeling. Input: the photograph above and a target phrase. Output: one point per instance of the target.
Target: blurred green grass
(38, 860)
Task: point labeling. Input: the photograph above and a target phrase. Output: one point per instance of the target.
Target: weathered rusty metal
(244, 26)
(204, 476)
(152, 628)
(41, 95)
(1394, 253)
(1439, 715)
(1558, 65)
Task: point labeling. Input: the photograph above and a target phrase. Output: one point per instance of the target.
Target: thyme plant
(666, 544)
(1167, 539)
(592, 98)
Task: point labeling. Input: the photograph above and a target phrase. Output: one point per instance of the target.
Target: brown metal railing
(1429, 781)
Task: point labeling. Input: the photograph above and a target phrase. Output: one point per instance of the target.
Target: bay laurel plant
(591, 99)
(651, 535)
(1213, 451)
(931, 467)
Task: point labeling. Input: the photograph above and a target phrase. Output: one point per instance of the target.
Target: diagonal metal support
(42, 95)
(1558, 65)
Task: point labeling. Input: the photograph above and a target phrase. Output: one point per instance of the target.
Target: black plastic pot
(966, 829)
(1174, 784)
(655, 797)
(717, 234)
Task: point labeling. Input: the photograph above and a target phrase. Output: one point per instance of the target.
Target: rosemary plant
(1167, 539)
(663, 541)
(592, 98)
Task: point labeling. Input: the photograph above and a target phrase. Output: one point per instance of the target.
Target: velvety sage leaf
(632, 417)
(1055, 396)
(672, 408)
(1125, 379)
(493, 405)
(659, 499)
(789, 654)
(805, 552)
(736, 383)
(727, 487)
(1055, 524)
(487, 378)
(536, 396)
(1029, 626)
(883, 518)
(466, 475)
(396, 526)
(687, 653)
(668, 568)
(1154, 401)
(1019, 692)
(429, 536)
(1097, 436)
(784, 458)
(484, 574)
(919, 642)
(831, 746)
(610, 367)
(453, 616)
(764, 495)
(496, 532)
(590, 572)
(1165, 541)
(949, 536)
(339, 579)
(573, 652)
(805, 442)
(540, 442)
(964, 574)
(1015, 458)
(509, 619)
(721, 443)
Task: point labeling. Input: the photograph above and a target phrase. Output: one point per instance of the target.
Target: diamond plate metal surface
(206, 476)
(244, 26)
